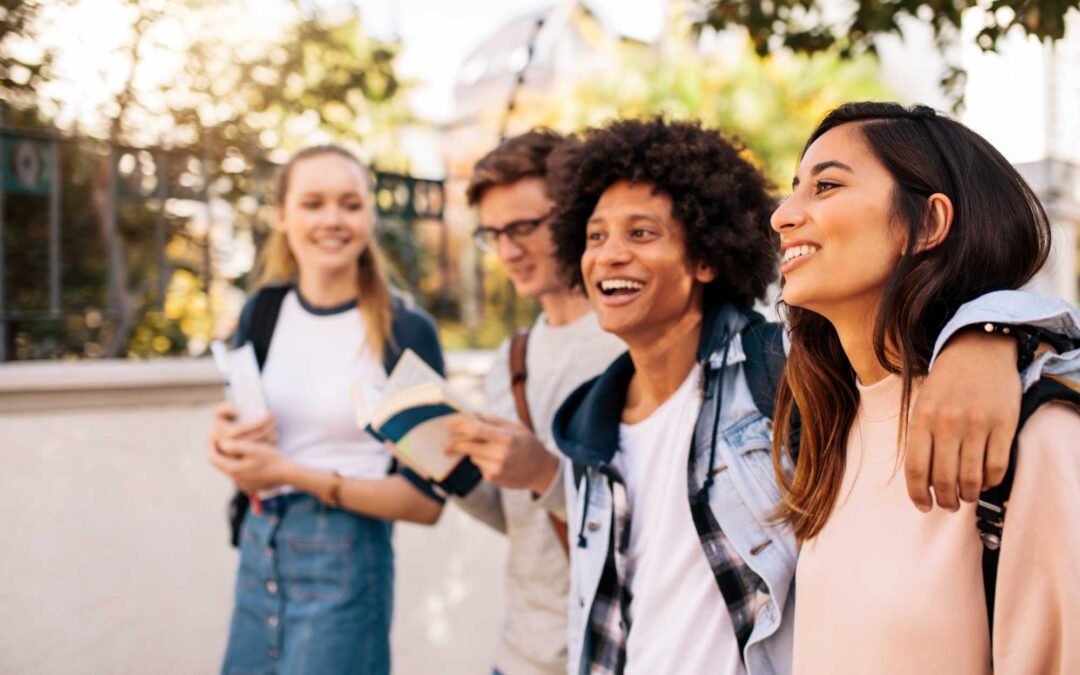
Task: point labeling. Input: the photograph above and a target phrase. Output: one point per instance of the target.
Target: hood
(586, 427)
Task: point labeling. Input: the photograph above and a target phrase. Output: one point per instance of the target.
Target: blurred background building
(138, 142)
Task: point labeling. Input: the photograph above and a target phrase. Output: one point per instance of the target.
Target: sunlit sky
(438, 35)
(1006, 95)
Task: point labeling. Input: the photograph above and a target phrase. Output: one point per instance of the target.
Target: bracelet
(333, 499)
(1027, 341)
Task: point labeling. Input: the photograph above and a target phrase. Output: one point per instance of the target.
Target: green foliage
(224, 87)
(23, 65)
(770, 103)
(814, 26)
(804, 26)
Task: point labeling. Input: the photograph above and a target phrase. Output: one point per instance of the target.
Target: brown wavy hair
(1000, 237)
(277, 264)
(516, 158)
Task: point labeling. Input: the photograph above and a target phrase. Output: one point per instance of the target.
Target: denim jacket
(752, 558)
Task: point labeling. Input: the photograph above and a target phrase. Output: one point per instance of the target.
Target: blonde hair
(276, 263)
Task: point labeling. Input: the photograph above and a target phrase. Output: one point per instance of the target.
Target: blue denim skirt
(314, 593)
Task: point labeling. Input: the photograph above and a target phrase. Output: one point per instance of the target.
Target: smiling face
(839, 239)
(635, 265)
(529, 259)
(326, 215)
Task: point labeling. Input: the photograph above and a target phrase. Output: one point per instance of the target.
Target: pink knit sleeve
(1037, 617)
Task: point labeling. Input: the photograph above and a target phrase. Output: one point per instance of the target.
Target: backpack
(763, 345)
(263, 312)
(990, 512)
(519, 346)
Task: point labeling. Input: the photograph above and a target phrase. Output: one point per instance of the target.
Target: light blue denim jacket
(745, 494)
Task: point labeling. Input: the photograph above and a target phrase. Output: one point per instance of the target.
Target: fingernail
(925, 508)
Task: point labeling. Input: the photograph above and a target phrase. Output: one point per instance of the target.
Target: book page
(414, 415)
(429, 393)
(410, 371)
(423, 447)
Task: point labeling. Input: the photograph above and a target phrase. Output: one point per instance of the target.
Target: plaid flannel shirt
(743, 591)
(609, 621)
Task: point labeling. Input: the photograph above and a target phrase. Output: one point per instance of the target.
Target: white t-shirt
(315, 356)
(678, 619)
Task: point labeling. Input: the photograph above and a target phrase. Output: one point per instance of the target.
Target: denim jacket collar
(586, 427)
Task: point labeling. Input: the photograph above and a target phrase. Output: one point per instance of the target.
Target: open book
(412, 417)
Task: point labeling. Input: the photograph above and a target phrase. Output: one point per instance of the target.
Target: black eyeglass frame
(487, 238)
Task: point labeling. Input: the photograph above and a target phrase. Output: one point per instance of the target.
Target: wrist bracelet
(334, 498)
(1027, 341)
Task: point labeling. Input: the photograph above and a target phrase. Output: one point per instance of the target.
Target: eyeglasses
(487, 238)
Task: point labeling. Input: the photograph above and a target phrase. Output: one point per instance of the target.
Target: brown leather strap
(519, 344)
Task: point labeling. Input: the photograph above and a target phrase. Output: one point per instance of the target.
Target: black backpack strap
(264, 316)
(990, 512)
(257, 326)
(763, 344)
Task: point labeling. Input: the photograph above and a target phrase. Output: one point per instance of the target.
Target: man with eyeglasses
(522, 494)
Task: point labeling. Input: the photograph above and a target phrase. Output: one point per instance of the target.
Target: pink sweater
(884, 588)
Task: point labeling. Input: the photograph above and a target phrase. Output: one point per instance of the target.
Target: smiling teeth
(330, 243)
(799, 251)
(621, 284)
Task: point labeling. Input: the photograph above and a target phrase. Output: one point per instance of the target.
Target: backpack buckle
(991, 519)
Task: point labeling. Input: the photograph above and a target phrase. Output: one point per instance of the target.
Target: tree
(812, 26)
(23, 64)
(769, 103)
(223, 86)
(232, 102)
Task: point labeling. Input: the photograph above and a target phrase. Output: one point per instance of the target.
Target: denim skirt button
(271, 587)
(272, 620)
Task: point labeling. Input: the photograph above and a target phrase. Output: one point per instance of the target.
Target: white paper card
(243, 383)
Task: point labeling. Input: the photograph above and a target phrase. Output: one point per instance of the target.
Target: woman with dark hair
(898, 217)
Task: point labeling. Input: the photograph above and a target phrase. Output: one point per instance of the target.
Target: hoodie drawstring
(581, 543)
(716, 407)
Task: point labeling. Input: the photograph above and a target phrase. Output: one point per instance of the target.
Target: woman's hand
(227, 428)
(963, 421)
(251, 465)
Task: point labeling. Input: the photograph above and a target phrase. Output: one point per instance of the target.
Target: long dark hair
(1000, 237)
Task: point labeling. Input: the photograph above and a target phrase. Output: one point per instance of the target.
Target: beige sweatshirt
(532, 639)
(885, 589)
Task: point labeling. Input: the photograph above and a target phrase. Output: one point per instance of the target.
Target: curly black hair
(720, 198)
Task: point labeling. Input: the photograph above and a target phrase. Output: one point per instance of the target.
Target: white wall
(115, 558)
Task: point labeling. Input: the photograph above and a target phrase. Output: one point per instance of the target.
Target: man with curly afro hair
(666, 226)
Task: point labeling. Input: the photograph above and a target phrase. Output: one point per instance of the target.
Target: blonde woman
(315, 583)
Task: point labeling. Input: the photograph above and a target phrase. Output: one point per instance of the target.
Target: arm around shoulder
(1014, 307)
